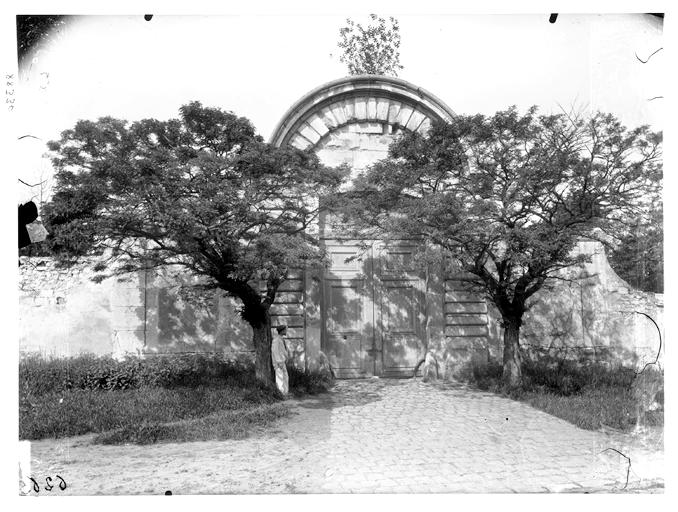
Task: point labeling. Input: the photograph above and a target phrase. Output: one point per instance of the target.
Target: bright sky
(257, 66)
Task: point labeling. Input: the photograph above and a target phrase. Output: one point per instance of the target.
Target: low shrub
(303, 382)
(588, 394)
(483, 376)
(39, 376)
(567, 377)
(170, 397)
(561, 377)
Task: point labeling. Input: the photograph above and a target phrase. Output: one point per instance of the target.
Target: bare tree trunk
(262, 339)
(512, 374)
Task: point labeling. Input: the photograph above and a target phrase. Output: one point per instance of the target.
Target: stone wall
(62, 312)
(598, 316)
(467, 325)
(351, 121)
(591, 314)
(288, 309)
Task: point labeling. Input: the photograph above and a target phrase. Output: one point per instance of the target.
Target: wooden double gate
(373, 309)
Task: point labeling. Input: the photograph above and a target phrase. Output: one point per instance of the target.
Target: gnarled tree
(508, 197)
(202, 193)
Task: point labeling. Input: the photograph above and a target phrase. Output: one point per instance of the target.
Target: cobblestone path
(374, 436)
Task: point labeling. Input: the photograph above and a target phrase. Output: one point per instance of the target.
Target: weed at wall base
(587, 394)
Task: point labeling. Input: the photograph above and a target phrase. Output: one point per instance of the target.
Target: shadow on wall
(184, 327)
(598, 316)
(212, 324)
(372, 310)
(64, 313)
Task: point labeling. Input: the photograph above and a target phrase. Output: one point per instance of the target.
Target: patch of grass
(167, 398)
(229, 424)
(38, 375)
(568, 377)
(588, 395)
(308, 382)
(483, 376)
(590, 408)
(84, 411)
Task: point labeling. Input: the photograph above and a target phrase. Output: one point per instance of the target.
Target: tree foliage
(508, 197)
(639, 257)
(203, 193)
(372, 49)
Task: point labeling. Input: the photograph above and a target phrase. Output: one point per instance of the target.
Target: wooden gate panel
(399, 288)
(401, 325)
(348, 327)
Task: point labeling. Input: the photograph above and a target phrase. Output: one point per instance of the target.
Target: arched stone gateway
(376, 315)
(379, 313)
(353, 120)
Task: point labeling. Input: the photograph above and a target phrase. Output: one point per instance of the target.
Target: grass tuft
(229, 424)
(308, 383)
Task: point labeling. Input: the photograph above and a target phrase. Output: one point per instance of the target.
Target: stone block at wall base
(430, 369)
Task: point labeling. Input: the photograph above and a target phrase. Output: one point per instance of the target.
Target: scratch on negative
(28, 185)
(659, 332)
(649, 56)
(628, 469)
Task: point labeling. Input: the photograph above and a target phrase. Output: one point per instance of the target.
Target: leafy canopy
(508, 196)
(639, 257)
(372, 49)
(203, 192)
